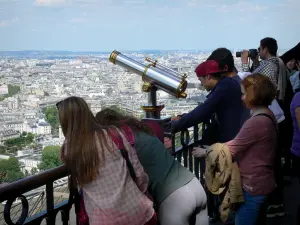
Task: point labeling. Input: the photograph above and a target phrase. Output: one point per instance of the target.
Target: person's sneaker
(275, 211)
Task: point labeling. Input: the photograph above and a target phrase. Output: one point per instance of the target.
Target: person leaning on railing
(225, 56)
(254, 148)
(223, 107)
(177, 193)
(97, 166)
(224, 100)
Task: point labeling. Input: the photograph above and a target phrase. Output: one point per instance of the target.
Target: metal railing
(189, 138)
(40, 197)
(36, 198)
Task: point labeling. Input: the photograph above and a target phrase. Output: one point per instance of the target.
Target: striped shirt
(269, 68)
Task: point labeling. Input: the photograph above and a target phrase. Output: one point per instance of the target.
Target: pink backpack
(156, 128)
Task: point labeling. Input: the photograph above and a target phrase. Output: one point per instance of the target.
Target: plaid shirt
(269, 68)
(113, 198)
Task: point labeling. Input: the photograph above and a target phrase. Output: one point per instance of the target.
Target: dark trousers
(296, 166)
(276, 197)
(286, 131)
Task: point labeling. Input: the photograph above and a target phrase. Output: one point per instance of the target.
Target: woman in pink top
(110, 195)
(254, 149)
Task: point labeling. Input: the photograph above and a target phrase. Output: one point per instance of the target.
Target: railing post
(196, 161)
(185, 140)
(50, 203)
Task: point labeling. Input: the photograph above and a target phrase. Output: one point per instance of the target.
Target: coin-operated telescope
(155, 77)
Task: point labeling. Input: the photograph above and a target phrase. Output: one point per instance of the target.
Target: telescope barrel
(162, 67)
(158, 77)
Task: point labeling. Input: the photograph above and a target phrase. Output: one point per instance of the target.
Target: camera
(253, 53)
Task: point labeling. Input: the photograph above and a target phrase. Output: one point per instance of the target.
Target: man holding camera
(269, 65)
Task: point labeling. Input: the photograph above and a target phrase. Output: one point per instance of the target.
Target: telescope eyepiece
(113, 56)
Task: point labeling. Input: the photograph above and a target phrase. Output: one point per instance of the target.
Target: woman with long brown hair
(99, 169)
(177, 193)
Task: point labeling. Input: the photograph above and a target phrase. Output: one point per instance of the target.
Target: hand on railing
(174, 118)
(199, 152)
(167, 142)
(178, 117)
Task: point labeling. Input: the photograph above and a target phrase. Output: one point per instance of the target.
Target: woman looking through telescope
(177, 193)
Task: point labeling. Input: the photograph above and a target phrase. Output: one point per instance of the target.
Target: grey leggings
(178, 207)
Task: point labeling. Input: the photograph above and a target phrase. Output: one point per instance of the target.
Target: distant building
(39, 128)
(20, 126)
(3, 89)
(30, 115)
(12, 103)
(33, 129)
(28, 160)
(44, 128)
(8, 134)
(4, 156)
(60, 133)
(49, 103)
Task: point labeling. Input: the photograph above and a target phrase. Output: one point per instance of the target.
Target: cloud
(7, 23)
(239, 7)
(223, 8)
(52, 3)
(209, 3)
(77, 20)
(134, 2)
(4, 23)
(9, 1)
(248, 7)
(81, 18)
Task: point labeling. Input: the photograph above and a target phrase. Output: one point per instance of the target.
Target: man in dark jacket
(223, 106)
(224, 100)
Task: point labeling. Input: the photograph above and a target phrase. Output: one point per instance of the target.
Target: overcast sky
(105, 25)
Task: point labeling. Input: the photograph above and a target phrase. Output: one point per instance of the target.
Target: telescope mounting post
(152, 110)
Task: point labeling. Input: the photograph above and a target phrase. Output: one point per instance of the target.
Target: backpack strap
(270, 117)
(275, 126)
(128, 133)
(156, 128)
(117, 139)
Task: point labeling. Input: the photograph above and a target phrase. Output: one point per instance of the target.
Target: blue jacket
(225, 101)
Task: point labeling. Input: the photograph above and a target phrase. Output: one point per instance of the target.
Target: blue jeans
(251, 210)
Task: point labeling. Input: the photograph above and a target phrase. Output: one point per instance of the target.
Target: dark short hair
(270, 44)
(218, 76)
(224, 57)
(260, 91)
(110, 117)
